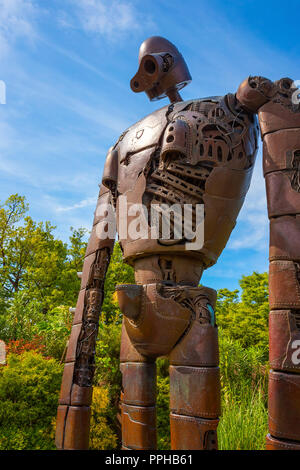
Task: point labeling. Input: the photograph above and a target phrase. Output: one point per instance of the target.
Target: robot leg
(195, 379)
(155, 317)
(138, 398)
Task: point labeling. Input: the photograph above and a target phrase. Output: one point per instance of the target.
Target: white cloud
(16, 21)
(84, 203)
(109, 18)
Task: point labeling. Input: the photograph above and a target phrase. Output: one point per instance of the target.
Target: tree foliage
(29, 387)
(245, 318)
(33, 261)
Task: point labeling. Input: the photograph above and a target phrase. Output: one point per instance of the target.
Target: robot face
(162, 69)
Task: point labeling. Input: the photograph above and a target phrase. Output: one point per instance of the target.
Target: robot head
(162, 71)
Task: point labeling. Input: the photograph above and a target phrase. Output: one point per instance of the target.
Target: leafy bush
(246, 319)
(20, 319)
(108, 373)
(20, 346)
(102, 437)
(29, 388)
(54, 330)
(25, 327)
(241, 367)
(163, 413)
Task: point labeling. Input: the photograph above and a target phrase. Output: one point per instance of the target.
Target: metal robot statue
(189, 152)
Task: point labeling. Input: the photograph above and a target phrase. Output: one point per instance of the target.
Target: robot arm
(73, 416)
(254, 92)
(279, 119)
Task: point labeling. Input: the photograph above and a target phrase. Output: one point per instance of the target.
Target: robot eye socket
(286, 84)
(150, 66)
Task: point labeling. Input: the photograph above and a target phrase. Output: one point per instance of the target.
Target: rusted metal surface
(284, 285)
(198, 347)
(138, 383)
(279, 121)
(139, 427)
(76, 432)
(284, 238)
(162, 70)
(73, 417)
(282, 198)
(197, 152)
(193, 433)
(284, 328)
(254, 92)
(195, 391)
(276, 444)
(284, 405)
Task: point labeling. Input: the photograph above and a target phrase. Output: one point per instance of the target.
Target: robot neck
(174, 95)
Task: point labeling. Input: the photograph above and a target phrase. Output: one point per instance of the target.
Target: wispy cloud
(16, 21)
(72, 56)
(111, 19)
(89, 106)
(84, 203)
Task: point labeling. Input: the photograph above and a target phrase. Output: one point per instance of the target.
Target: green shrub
(29, 388)
(245, 318)
(108, 358)
(21, 317)
(108, 373)
(102, 436)
(242, 367)
(54, 330)
(25, 321)
(163, 413)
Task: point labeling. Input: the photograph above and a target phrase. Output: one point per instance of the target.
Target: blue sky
(67, 67)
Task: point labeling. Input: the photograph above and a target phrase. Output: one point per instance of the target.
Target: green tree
(246, 318)
(38, 277)
(11, 212)
(32, 260)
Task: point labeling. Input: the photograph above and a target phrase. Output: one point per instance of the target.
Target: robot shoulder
(143, 134)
